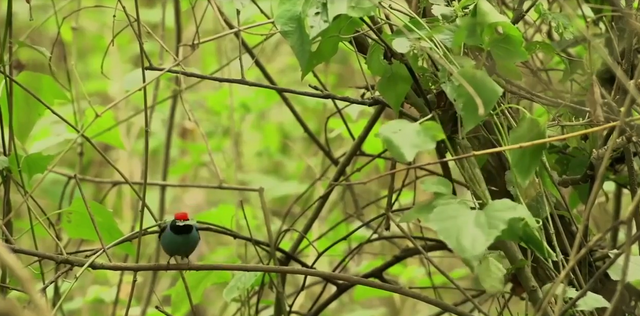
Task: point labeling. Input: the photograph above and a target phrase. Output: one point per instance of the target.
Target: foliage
(319, 142)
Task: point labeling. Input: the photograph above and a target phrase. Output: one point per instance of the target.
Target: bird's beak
(189, 222)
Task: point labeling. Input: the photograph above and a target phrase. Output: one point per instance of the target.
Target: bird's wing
(162, 227)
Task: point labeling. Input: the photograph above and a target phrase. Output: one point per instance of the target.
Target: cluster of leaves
(482, 26)
(467, 25)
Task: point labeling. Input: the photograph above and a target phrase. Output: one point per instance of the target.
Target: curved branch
(345, 278)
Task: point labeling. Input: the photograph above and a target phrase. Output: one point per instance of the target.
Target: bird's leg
(169, 261)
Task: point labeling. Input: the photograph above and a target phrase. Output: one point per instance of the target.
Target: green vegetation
(340, 157)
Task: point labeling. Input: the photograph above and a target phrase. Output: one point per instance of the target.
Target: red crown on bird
(181, 216)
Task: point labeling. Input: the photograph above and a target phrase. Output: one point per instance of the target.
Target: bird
(180, 237)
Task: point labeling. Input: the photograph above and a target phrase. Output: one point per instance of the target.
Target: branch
(348, 279)
(248, 83)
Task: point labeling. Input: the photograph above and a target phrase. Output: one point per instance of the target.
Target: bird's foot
(169, 261)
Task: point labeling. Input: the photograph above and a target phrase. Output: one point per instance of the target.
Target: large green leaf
(394, 85)
(523, 231)
(77, 224)
(290, 20)
(104, 128)
(505, 42)
(240, 284)
(488, 28)
(317, 18)
(525, 161)
(491, 274)
(4, 162)
(486, 13)
(422, 211)
(469, 232)
(472, 27)
(354, 8)
(340, 29)
(50, 135)
(633, 273)
(405, 139)
(30, 165)
(26, 109)
(589, 302)
(436, 184)
(506, 45)
(375, 61)
(487, 91)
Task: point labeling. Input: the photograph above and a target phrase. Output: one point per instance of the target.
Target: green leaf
(290, 20)
(375, 61)
(394, 85)
(505, 42)
(405, 140)
(442, 11)
(317, 18)
(465, 3)
(486, 13)
(471, 27)
(510, 71)
(589, 302)
(549, 185)
(78, 225)
(423, 210)
(467, 32)
(633, 273)
(198, 282)
(522, 231)
(506, 45)
(401, 44)
(525, 161)
(354, 8)
(338, 31)
(486, 90)
(26, 109)
(104, 129)
(240, 284)
(436, 185)
(533, 47)
(39, 49)
(50, 143)
(30, 165)
(4, 162)
(50, 135)
(491, 274)
(469, 232)
(560, 23)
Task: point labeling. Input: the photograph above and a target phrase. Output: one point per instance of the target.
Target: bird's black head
(180, 224)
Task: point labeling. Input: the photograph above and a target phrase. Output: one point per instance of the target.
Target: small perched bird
(180, 238)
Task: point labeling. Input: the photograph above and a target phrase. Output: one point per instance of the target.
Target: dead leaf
(594, 101)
